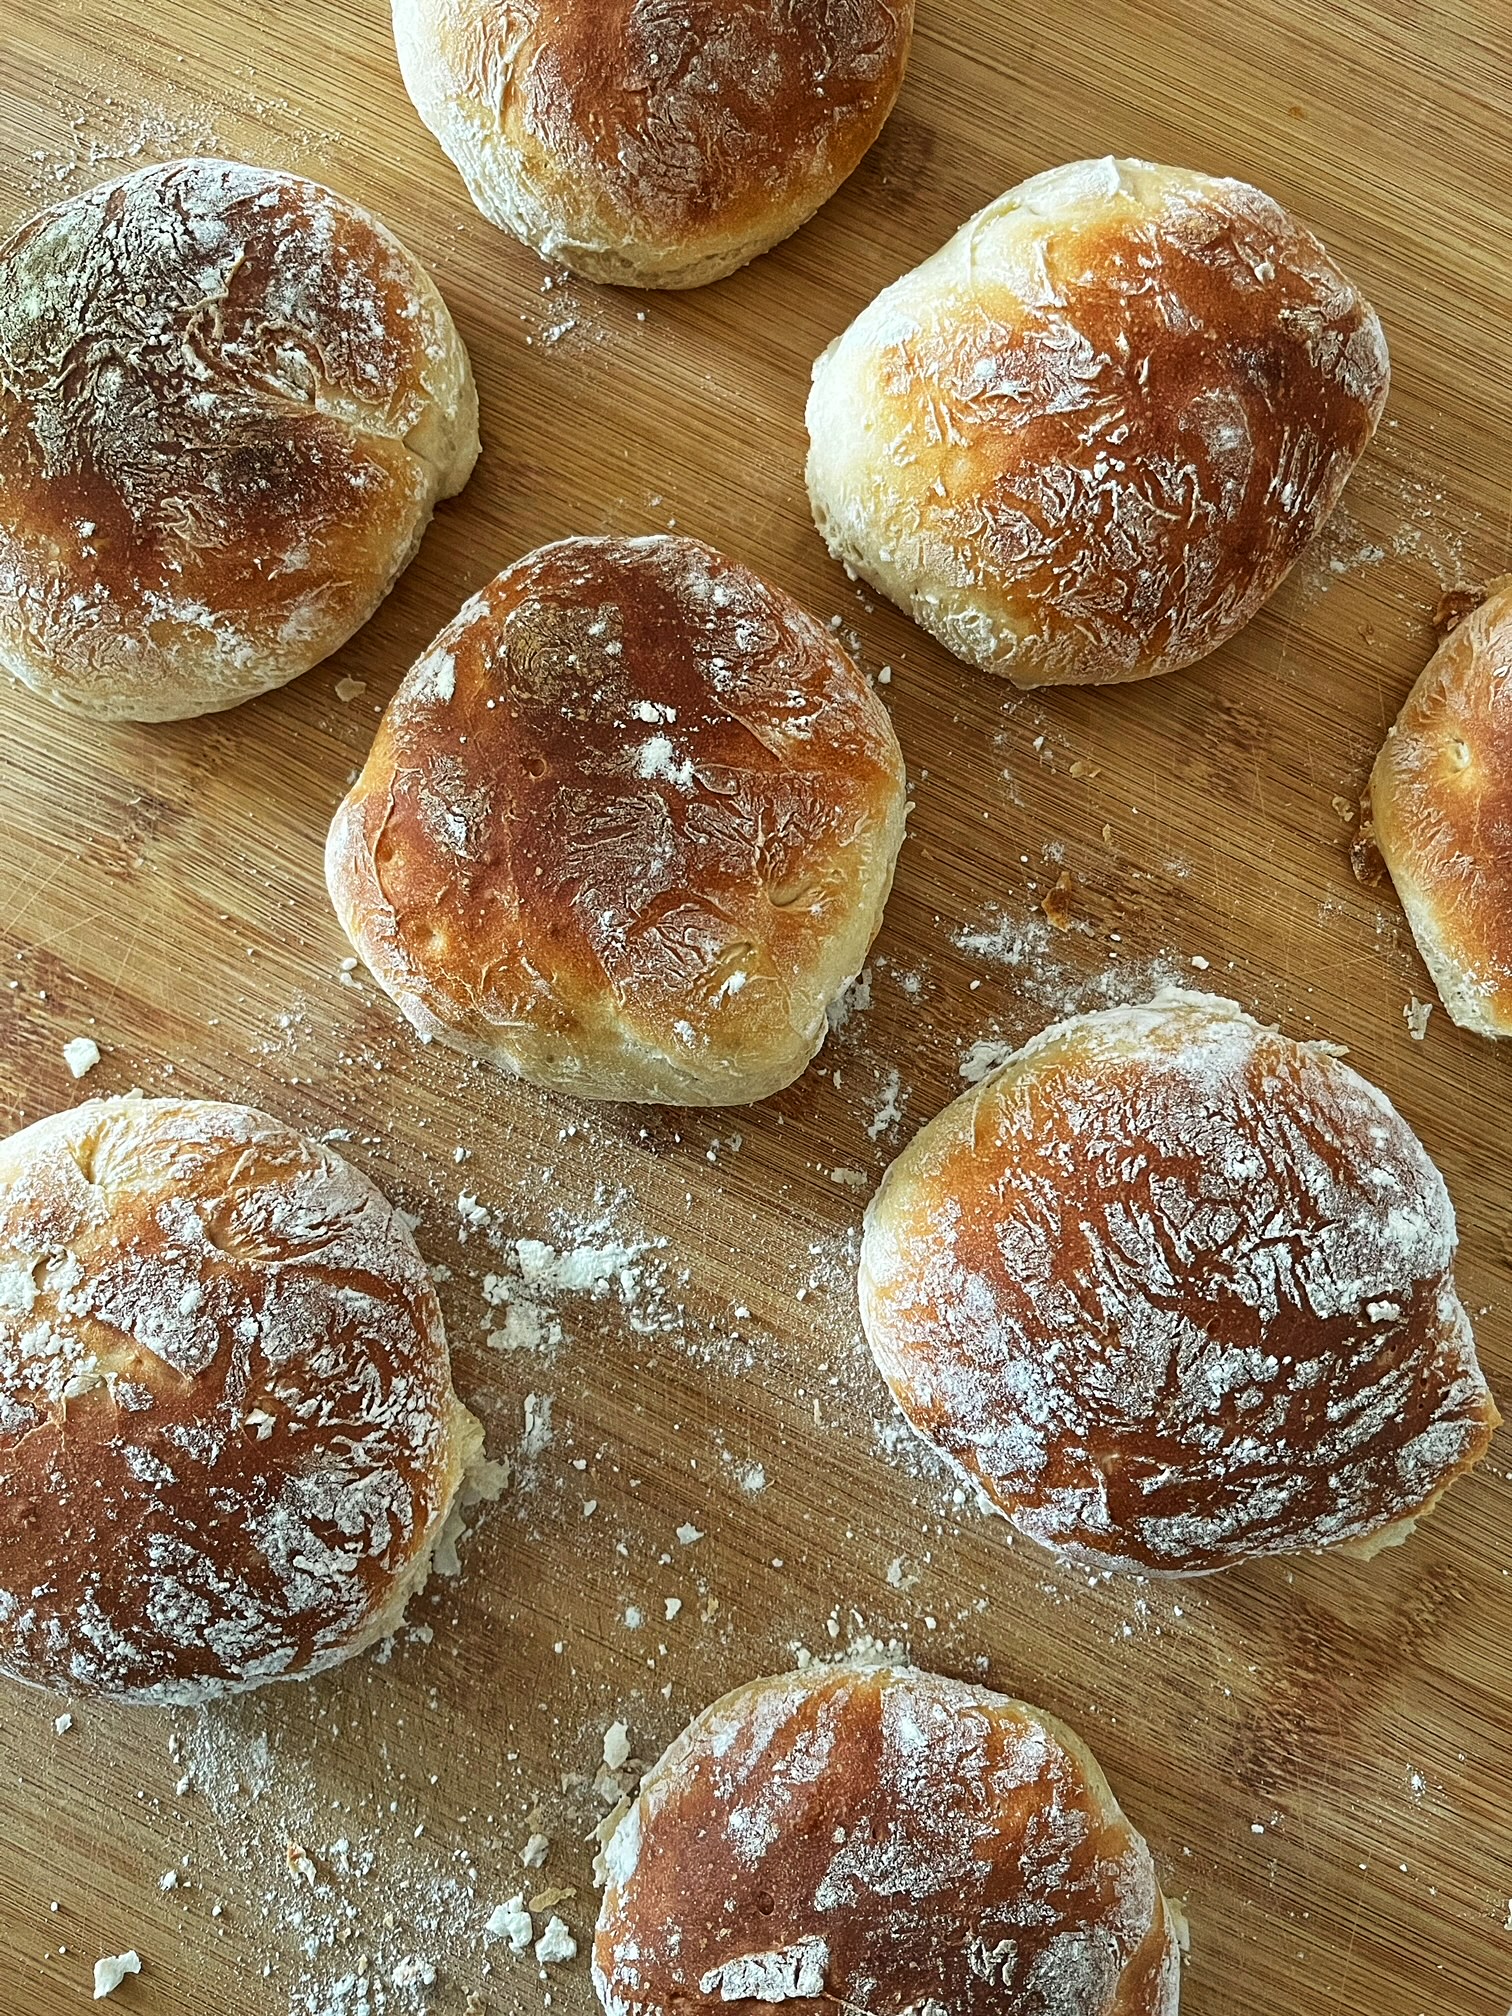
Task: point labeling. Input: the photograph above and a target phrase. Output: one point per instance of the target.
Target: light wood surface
(1317, 1752)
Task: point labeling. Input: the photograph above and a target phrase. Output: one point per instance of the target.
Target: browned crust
(1441, 805)
(659, 145)
(627, 827)
(229, 401)
(1178, 1293)
(1088, 439)
(228, 1436)
(911, 1841)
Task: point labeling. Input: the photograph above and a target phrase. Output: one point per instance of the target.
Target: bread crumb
(513, 1922)
(1057, 906)
(1416, 1013)
(616, 1746)
(81, 1054)
(1451, 610)
(535, 1851)
(350, 689)
(112, 1970)
(556, 1945)
(1348, 813)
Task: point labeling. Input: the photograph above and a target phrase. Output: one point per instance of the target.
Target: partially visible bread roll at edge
(1440, 811)
(852, 1838)
(653, 146)
(229, 402)
(1088, 438)
(228, 1436)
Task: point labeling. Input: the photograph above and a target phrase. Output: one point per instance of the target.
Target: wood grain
(1317, 1752)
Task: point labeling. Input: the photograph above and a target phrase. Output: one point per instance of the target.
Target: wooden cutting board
(1318, 1752)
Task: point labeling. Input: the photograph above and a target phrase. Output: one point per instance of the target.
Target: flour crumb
(112, 1970)
(853, 999)
(556, 1945)
(982, 1059)
(616, 1746)
(535, 1851)
(62, 1723)
(688, 1536)
(537, 1438)
(81, 1054)
(658, 758)
(513, 1922)
(889, 1110)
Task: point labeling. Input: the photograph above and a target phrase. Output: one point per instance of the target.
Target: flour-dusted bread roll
(883, 1840)
(653, 143)
(228, 1436)
(1177, 1292)
(229, 401)
(627, 828)
(1441, 810)
(1088, 438)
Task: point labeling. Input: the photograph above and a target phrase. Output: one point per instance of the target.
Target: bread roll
(627, 828)
(885, 1840)
(1088, 438)
(228, 1437)
(646, 144)
(1178, 1292)
(229, 401)
(1441, 812)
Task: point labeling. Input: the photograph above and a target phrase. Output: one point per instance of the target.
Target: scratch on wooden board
(1348, 1976)
(31, 893)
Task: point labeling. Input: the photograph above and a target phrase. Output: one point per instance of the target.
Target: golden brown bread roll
(627, 828)
(1178, 1292)
(229, 401)
(1088, 438)
(1441, 811)
(881, 1840)
(653, 144)
(228, 1436)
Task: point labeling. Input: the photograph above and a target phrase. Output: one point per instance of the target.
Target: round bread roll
(229, 402)
(1088, 438)
(627, 828)
(1441, 812)
(1177, 1292)
(882, 1840)
(647, 144)
(228, 1436)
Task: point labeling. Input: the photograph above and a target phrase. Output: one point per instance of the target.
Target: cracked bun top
(882, 1840)
(228, 1436)
(1441, 812)
(653, 143)
(627, 828)
(1178, 1292)
(229, 401)
(1088, 438)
